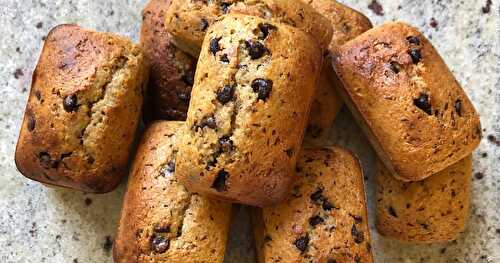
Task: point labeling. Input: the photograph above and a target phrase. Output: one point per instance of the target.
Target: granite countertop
(39, 224)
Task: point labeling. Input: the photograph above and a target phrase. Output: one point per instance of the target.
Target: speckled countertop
(39, 224)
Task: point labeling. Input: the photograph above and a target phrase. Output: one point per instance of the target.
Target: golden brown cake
(172, 71)
(188, 20)
(160, 220)
(432, 210)
(248, 110)
(413, 110)
(324, 219)
(83, 110)
(347, 24)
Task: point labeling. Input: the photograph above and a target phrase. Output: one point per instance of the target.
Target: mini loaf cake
(324, 219)
(248, 110)
(188, 20)
(172, 71)
(431, 210)
(412, 109)
(347, 24)
(83, 110)
(161, 221)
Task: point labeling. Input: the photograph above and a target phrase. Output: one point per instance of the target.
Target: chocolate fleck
(479, 175)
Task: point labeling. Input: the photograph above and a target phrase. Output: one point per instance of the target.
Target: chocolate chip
(188, 78)
(207, 122)
(225, 94)
(203, 24)
(327, 205)
(214, 45)
(331, 261)
(170, 167)
(161, 228)
(70, 103)
(392, 211)
(265, 28)
(219, 183)
(226, 144)
(458, 107)
(31, 122)
(315, 220)
(255, 49)
(424, 226)
(395, 67)
(415, 55)
(263, 87)
(159, 244)
(357, 235)
(224, 58)
(88, 201)
(224, 7)
(302, 243)
(289, 152)
(423, 103)
(413, 40)
(317, 195)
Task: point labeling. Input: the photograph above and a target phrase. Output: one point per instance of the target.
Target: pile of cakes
(238, 97)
